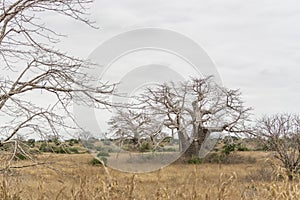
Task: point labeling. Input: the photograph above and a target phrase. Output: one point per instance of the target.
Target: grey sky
(255, 44)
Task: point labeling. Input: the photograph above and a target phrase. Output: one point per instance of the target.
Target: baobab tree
(31, 66)
(281, 134)
(195, 109)
(138, 127)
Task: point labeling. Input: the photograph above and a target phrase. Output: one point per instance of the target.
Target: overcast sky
(255, 44)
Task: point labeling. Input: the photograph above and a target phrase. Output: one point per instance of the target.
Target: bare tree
(137, 126)
(32, 65)
(281, 133)
(195, 109)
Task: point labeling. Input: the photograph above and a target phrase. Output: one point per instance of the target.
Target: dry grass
(71, 177)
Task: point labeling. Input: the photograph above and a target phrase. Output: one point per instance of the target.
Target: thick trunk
(198, 135)
(193, 150)
(183, 141)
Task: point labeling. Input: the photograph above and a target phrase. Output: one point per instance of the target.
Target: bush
(195, 161)
(145, 147)
(62, 150)
(73, 150)
(96, 161)
(31, 143)
(228, 148)
(34, 151)
(5, 147)
(241, 147)
(222, 158)
(213, 158)
(228, 158)
(72, 142)
(104, 160)
(44, 147)
(105, 154)
(20, 156)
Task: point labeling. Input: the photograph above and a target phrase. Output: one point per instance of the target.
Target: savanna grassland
(74, 177)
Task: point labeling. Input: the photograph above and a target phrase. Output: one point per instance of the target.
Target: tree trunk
(183, 141)
(193, 150)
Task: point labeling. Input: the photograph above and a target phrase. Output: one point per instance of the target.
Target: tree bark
(194, 148)
(183, 141)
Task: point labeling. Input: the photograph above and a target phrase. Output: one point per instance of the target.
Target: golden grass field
(72, 177)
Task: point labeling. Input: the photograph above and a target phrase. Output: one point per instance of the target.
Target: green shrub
(5, 147)
(44, 147)
(103, 153)
(228, 148)
(145, 147)
(96, 161)
(20, 156)
(31, 143)
(34, 151)
(72, 142)
(73, 150)
(61, 150)
(228, 158)
(195, 161)
(263, 147)
(104, 160)
(241, 147)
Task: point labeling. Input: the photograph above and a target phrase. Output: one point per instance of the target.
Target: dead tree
(136, 126)
(31, 65)
(281, 134)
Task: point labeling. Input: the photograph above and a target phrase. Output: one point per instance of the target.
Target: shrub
(20, 156)
(228, 148)
(145, 147)
(61, 150)
(5, 147)
(34, 151)
(241, 147)
(72, 142)
(73, 150)
(96, 161)
(228, 158)
(44, 147)
(195, 161)
(103, 153)
(104, 160)
(31, 143)
(213, 158)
